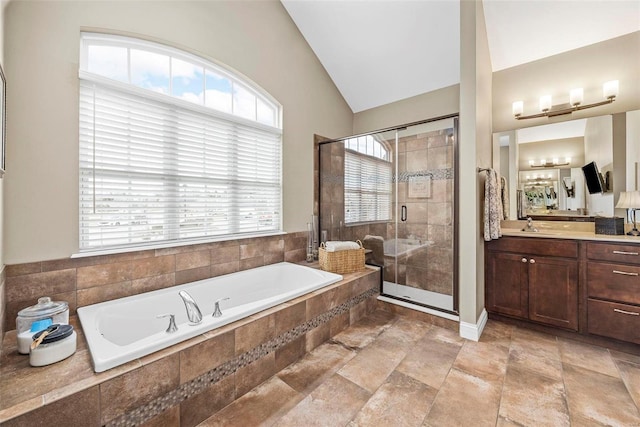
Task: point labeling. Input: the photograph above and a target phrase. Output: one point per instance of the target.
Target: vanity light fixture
(552, 164)
(576, 97)
(630, 200)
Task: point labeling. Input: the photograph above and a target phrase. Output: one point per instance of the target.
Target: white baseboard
(472, 331)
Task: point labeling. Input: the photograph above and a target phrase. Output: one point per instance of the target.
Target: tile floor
(388, 370)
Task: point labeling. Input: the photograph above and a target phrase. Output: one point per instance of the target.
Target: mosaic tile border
(197, 385)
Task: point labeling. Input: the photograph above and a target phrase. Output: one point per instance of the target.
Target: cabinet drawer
(535, 246)
(628, 254)
(609, 319)
(614, 282)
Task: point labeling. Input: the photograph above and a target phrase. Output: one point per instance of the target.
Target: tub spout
(193, 312)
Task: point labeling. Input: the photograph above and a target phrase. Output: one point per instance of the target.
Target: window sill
(165, 245)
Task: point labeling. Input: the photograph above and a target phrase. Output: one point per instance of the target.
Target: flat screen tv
(595, 183)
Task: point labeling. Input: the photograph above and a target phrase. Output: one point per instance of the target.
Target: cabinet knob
(524, 260)
(532, 261)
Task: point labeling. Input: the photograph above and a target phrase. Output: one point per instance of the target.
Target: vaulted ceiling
(382, 51)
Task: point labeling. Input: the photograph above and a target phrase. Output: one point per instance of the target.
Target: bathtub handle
(216, 309)
(172, 322)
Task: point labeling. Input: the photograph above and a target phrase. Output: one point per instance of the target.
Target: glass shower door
(420, 254)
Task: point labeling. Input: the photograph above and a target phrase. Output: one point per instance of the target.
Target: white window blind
(367, 182)
(156, 170)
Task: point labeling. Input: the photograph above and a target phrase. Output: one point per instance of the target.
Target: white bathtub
(125, 329)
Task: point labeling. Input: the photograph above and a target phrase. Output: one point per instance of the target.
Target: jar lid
(44, 308)
(56, 332)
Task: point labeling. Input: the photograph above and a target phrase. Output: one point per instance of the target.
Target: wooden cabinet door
(553, 291)
(506, 284)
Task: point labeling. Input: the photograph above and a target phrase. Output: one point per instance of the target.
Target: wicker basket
(348, 261)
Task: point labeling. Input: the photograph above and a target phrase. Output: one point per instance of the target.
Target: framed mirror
(543, 168)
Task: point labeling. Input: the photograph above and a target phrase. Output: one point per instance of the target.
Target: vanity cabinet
(613, 290)
(533, 279)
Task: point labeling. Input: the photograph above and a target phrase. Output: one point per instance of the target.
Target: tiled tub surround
(90, 280)
(125, 329)
(190, 380)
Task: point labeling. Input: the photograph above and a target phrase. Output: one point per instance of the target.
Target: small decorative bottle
(309, 242)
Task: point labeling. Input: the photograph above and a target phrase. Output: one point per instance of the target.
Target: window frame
(182, 104)
(362, 153)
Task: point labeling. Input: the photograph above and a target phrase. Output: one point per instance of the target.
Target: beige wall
(474, 151)
(438, 103)
(256, 38)
(2, 286)
(588, 67)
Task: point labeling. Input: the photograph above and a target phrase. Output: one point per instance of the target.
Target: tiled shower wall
(85, 281)
(429, 218)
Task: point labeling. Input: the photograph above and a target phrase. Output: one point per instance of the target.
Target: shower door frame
(455, 217)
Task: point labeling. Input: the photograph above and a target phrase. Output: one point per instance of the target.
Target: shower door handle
(403, 213)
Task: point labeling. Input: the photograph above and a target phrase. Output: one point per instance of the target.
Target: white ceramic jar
(58, 344)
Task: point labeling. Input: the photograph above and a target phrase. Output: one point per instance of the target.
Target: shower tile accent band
(199, 384)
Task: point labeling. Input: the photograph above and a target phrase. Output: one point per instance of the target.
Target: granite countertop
(564, 230)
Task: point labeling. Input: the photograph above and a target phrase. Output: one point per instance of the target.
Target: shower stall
(394, 191)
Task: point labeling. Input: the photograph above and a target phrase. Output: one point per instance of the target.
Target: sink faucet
(530, 226)
(193, 312)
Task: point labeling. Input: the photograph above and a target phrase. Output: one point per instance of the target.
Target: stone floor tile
(404, 333)
(587, 356)
(262, 406)
(315, 367)
(465, 400)
(536, 352)
(531, 399)
(504, 422)
(373, 364)
(483, 360)
(401, 401)
(334, 403)
(618, 355)
(363, 332)
(497, 333)
(444, 335)
(594, 397)
(429, 360)
(630, 374)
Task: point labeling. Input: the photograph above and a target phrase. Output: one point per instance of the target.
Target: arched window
(173, 148)
(367, 180)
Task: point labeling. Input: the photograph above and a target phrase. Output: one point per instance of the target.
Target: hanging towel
(492, 206)
(504, 193)
(335, 246)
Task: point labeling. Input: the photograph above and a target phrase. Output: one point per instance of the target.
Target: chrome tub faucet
(193, 311)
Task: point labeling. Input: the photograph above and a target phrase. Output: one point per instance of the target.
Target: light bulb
(610, 89)
(576, 96)
(517, 108)
(545, 103)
